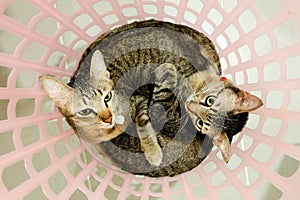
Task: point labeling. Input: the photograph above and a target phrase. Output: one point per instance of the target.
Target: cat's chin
(108, 126)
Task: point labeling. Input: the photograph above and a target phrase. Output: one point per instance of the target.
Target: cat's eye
(210, 100)
(108, 97)
(199, 123)
(86, 112)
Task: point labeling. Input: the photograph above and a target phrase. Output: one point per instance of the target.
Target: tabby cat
(97, 113)
(203, 109)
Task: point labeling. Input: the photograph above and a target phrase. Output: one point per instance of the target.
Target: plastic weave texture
(41, 158)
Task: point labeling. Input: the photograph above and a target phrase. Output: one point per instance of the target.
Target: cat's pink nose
(108, 120)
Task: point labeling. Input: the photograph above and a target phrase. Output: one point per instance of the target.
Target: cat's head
(220, 110)
(87, 105)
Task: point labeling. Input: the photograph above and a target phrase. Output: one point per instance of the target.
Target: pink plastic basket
(41, 158)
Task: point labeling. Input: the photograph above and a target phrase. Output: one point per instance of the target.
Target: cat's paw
(154, 157)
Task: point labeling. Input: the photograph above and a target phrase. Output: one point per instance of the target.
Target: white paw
(154, 157)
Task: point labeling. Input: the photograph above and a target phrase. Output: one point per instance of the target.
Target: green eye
(108, 97)
(199, 123)
(86, 112)
(210, 100)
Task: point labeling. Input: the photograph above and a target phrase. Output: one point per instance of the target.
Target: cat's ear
(223, 144)
(247, 102)
(192, 106)
(98, 68)
(59, 92)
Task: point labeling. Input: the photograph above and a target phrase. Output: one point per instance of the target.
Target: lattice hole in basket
(199, 192)
(67, 7)
(102, 7)
(286, 34)
(268, 191)
(275, 99)
(130, 12)
(94, 31)
(74, 168)
(67, 38)
(57, 182)
(110, 19)
(136, 186)
(271, 127)
(245, 143)
(207, 27)
(78, 194)
(34, 51)
(30, 135)
(262, 45)
(47, 105)
(247, 21)
(178, 196)
(263, 153)
(245, 53)
(4, 107)
(195, 5)
(222, 42)
(285, 165)
(215, 16)
(272, 71)
(83, 20)
(193, 178)
(26, 79)
(133, 197)
(248, 176)
(190, 17)
(25, 107)
(27, 8)
(175, 185)
(37, 193)
(60, 149)
(55, 59)
(218, 178)
(14, 175)
(41, 160)
(233, 59)
(292, 67)
(47, 26)
(111, 193)
(117, 180)
(79, 45)
(91, 183)
(235, 162)
(228, 5)
(9, 42)
(252, 75)
(7, 142)
(268, 11)
(209, 167)
(70, 64)
(156, 188)
(232, 33)
(4, 74)
(150, 9)
(229, 192)
(292, 134)
(100, 171)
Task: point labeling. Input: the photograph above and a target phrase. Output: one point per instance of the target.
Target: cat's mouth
(110, 125)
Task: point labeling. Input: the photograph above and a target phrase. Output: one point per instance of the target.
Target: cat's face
(87, 105)
(215, 105)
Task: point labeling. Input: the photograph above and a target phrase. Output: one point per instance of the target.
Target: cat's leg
(165, 80)
(146, 133)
